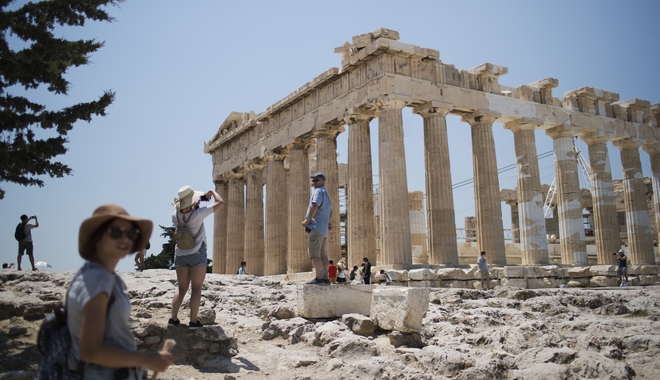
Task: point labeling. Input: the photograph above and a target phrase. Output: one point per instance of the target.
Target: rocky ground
(506, 333)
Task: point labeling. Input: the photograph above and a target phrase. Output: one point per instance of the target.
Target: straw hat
(103, 214)
(187, 197)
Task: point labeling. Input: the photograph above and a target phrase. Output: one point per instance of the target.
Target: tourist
(190, 263)
(366, 270)
(483, 270)
(139, 257)
(388, 278)
(622, 269)
(341, 276)
(317, 224)
(97, 303)
(25, 245)
(241, 270)
(352, 276)
(332, 272)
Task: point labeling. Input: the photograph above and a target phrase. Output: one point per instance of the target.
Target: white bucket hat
(187, 197)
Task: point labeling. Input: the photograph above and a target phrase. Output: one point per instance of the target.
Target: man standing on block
(25, 245)
(483, 269)
(317, 223)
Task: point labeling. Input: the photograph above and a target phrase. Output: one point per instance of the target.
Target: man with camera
(26, 243)
(622, 269)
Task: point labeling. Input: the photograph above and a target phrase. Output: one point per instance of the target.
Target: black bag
(54, 342)
(20, 234)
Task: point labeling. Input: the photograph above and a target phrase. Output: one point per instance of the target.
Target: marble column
(654, 155)
(488, 211)
(640, 238)
(361, 221)
(443, 248)
(515, 221)
(254, 219)
(531, 221)
(606, 223)
(220, 230)
(395, 241)
(235, 221)
(276, 215)
(571, 228)
(299, 193)
(326, 163)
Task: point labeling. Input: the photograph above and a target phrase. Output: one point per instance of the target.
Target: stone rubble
(254, 331)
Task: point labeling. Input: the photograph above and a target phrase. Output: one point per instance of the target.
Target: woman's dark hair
(90, 249)
(355, 267)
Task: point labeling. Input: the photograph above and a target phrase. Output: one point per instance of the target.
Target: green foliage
(44, 61)
(165, 259)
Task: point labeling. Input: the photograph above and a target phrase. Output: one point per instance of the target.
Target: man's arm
(36, 222)
(310, 214)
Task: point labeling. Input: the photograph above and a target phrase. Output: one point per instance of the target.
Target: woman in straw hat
(98, 307)
(190, 263)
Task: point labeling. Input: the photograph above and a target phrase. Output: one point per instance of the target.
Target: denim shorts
(97, 372)
(622, 271)
(197, 259)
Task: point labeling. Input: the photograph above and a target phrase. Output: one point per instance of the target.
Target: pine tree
(44, 60)
(165, 259)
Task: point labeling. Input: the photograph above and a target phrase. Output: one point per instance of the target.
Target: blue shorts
(197, 259)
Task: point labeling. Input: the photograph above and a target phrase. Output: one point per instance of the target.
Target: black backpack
(20, 234)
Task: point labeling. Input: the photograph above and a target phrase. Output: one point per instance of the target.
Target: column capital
(299, 143)
(433, 107)
(329, 130)
(593, 138)
(238, 173)
(651, 148)
(254, 165)
(628, 143)
(480, 117)
(275, 156)
(389, 101)
(221, 180)
(560, 131)
(356, 115)
(521, 124)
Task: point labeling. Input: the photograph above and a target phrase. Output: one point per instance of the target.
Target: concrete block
(514, 272)
(454, 284)
(419, 284)
(422, 274)
(472, 274)
(643, 269)
(477, 284)
(578, 282)
(539, 283)
(633, 281)
(646, 280)
(578, 272)
(450, 274)
(398, 308)
(603, 270)
(551, 271)
(496, 272)
(603, 281)
(514, 283)
(399, 275)
(333, 301)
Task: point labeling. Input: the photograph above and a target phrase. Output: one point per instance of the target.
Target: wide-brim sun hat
(105, 213)
(187, 197)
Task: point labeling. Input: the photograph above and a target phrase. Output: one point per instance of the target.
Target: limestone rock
(34, 313)
(333, 301)
(514, 283)
(422, 274)
(578, 282)
(601, 281)
(603, 270)
(411, 340)
(214, 333)
(578, 272)
(514, 272)
(398, 308)
(539, 283)
(17, 330)
(206, 316)
(399, 275)
(444, 362)
(352, 346)
(454, 284)
(282, 328)
(359, 324)
(647, 280)
(450, 274)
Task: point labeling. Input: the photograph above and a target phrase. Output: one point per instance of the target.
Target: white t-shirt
(195, 220)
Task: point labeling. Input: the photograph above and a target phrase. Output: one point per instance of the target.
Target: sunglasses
(131, 233)
(316, 180)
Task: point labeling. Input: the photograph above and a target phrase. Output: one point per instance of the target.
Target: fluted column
(299, 193)
(439, 194)
(488, 211)
(515, 221)
(326, 163)
(654, 155)
(640, 238)
(361, 222)
(235, 221)
(606, 224)
(531, 221)
(569, 205)
(254, 219)
(220, 230)
(395, 241)
(276, 215)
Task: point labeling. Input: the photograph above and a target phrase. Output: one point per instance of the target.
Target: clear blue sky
(179, 69)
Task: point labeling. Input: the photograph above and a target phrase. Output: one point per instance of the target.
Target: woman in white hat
(98, 307)
(190, 261)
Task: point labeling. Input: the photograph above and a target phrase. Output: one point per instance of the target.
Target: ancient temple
(381, 75)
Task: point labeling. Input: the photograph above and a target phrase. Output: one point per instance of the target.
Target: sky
(180, 68)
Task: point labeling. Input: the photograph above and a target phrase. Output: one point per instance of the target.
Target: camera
(204, 198)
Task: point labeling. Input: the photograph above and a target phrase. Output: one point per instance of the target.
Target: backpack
(182, 234)
(20, 234)
(54, 342)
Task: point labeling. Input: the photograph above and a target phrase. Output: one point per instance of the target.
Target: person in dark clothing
(622, 270)
(366, 270)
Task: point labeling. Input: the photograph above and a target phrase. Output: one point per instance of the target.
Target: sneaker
(173, 322)
(317, 281)
(325, 281)
(194, 325)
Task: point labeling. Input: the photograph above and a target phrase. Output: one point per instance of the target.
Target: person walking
(622, 269)
(26, 245)
(332, 272)
(483, 270)
(97, 303)
(317, 224)
(190, 262)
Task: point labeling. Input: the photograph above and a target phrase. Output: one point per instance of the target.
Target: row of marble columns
(276, 243)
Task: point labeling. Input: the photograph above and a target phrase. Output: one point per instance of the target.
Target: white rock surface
(333, 301)
(399, 308)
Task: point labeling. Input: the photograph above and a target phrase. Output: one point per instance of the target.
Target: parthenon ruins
(381, 75)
